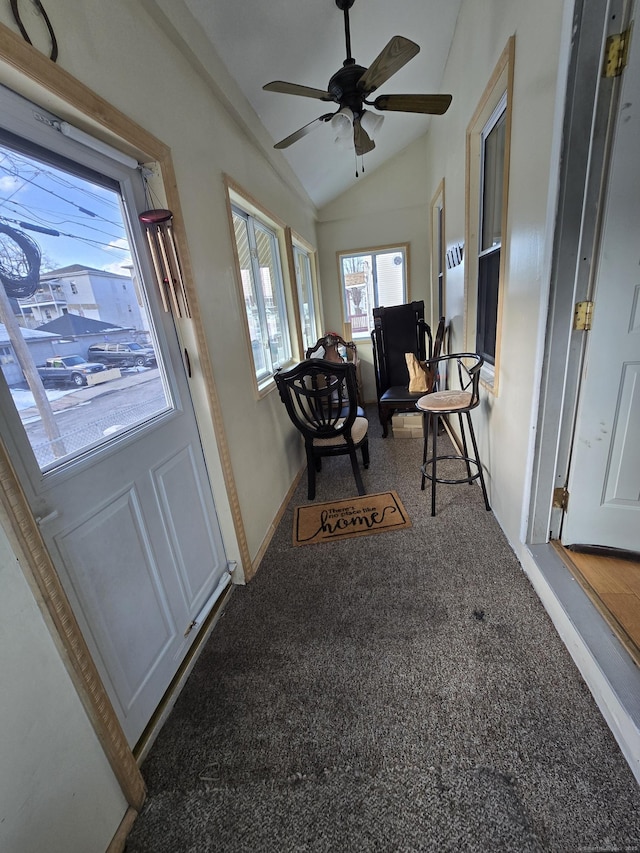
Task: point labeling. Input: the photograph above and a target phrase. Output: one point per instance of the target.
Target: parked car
(123, 354)
(73, 369)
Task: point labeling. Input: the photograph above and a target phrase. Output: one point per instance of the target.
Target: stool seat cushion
(445, 401)
(358, 432)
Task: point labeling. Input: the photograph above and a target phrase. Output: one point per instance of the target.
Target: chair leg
(356, 469)
(384, 421)
(311, 474)
(425, 442)
(464, 447)
(475, 450)
(434, 429)
(364, 449)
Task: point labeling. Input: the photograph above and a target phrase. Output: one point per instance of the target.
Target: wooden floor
(613, 584)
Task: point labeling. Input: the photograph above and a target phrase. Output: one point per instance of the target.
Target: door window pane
(69, 290)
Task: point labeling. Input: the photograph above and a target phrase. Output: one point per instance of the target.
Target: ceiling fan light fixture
(371, 122)
(342, 123)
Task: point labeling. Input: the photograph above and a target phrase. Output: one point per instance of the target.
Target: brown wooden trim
(40, 572)
(119, 840)
(293, 283)
(438, 197)
(490, 97)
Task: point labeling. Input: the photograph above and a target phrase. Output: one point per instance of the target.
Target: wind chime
(166, 263)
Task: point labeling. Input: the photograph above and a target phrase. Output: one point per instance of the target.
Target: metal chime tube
(164, 256)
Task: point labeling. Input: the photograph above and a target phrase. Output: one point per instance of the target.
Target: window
(488, 137)
(492, 183)
(303, 263)
(371, 278)
(258, 254)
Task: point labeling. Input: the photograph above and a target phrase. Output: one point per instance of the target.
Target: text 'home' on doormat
(361, 516)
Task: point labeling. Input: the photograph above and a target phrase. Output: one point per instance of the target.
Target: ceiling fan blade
(303, 131)
(361, 139)
(391, 59)
(431, 104)
(295, 89)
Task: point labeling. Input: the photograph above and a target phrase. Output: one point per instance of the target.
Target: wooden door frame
(31, 74)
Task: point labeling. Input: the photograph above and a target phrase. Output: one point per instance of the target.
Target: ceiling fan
(351, 86)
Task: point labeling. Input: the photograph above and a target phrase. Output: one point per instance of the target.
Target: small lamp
(371, 122)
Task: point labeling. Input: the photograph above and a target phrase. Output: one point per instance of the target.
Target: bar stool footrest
(466, 459)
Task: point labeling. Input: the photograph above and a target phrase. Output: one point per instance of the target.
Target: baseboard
(276, 521)
(119, 840)
(147, 739)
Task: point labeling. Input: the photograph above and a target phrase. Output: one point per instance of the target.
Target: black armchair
(321, 399)
(398, 330)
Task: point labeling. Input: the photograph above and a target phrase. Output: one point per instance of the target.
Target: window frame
(438, 256)
(499, 87)
(298, 246)
(247, 206)
(373, 251)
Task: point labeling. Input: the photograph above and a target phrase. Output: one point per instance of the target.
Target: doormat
(359, 516)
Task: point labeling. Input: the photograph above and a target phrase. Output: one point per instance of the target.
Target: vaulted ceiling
(304, 43)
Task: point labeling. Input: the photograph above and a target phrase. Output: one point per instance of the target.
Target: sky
(86, 216)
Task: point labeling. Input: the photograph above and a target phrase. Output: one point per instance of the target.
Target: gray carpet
(399, 692)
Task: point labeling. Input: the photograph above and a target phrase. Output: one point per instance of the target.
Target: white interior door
(113, 470)
(604, 479)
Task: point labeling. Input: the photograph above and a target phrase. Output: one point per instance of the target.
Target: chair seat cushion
(444, 401)
(399, 394)
(358, 432)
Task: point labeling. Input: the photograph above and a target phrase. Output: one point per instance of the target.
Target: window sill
(488, 377)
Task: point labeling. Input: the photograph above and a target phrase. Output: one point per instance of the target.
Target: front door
(604, 479)
(109, 456)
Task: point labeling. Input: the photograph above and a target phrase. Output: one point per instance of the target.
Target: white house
(88, 292)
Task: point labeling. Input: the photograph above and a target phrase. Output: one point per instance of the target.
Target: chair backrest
(397, 330)
(331, 345)
(438, 341)
(320, 396)
(467, 365)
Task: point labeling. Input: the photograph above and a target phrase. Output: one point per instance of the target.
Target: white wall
(374, 212)
(57, 791)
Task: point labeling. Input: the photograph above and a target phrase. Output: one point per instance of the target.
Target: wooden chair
(321, 399)
(334, 348)
(398, 330)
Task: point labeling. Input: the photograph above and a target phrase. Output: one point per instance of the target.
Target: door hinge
(561, 498)
(616, 53)
(583, 316)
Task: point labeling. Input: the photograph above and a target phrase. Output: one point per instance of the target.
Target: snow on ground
(23, 398)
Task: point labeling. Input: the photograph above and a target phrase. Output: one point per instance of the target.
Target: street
(87, 415)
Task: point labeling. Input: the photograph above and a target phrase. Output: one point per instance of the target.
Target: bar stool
(455, 402)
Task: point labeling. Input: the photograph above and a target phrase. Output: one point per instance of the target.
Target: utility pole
(26, 362)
